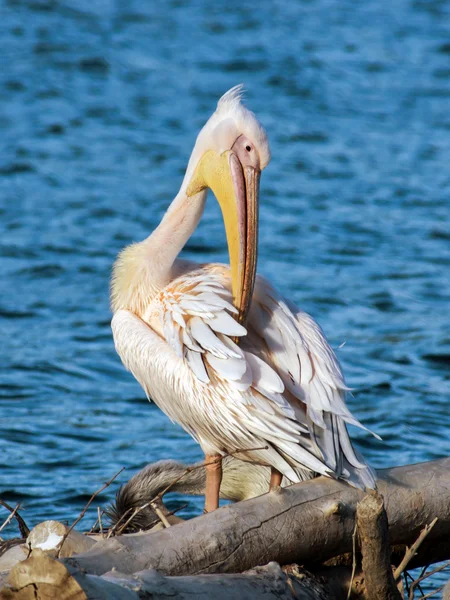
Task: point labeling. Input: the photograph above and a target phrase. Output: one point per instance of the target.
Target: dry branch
(428, 574)
(432, 593)
(354, 562)
(411, 552)
(10, 518)
(83, 512)
(306, 523)
(99, 519)
(23, 528)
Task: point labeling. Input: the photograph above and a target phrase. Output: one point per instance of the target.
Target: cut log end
(372, 526)
(41, 576)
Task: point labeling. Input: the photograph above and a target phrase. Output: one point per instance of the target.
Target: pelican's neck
(143, 269)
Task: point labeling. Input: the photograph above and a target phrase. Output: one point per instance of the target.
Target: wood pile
(320, 539)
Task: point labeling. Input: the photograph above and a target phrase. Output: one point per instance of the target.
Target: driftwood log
(41, 577)
(305, 523)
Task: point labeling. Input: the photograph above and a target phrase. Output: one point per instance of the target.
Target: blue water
(100, 104)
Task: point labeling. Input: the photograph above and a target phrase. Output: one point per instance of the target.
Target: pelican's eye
(248, 148)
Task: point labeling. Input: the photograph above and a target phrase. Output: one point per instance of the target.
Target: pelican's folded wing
(310, 371)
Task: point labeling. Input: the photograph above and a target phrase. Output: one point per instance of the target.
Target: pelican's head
(230, 152)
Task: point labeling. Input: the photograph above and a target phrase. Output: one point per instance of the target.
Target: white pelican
(266, 380)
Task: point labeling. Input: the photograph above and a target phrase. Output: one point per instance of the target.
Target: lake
(100, 104)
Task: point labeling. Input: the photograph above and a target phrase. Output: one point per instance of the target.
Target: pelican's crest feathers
(231, 99)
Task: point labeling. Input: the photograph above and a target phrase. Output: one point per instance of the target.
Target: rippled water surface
(100, 103)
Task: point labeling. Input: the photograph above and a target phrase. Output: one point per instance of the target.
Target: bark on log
(43, 578)
(373, 536)
(305, 523)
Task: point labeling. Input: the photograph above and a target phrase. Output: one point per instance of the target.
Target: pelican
(216, 347)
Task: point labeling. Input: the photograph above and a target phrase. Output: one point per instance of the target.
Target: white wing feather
(311, 372)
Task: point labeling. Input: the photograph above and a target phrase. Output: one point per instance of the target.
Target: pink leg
(275, 479)
(213, 481)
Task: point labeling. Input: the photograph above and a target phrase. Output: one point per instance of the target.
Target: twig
(112, 529)
(99, 512)
(83, 512)
(133, 511)
(136, 511)
(160, 514)
(418, 581)
(405, 581)
(10, 518)
(354, 561)
(175, 510)
(93, 528)
(439, 589)
(423, 571)
(411, 552)
(24, 531)
(407, 574)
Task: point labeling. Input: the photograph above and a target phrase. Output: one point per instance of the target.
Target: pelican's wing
(297, 349)
(194, 316)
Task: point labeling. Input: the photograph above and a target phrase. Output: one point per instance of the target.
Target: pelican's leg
(213, 481)
(275, 478)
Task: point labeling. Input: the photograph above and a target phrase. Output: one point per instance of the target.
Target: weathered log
(372, 527)
(12, 556)
(42, 577)
(305, 523)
